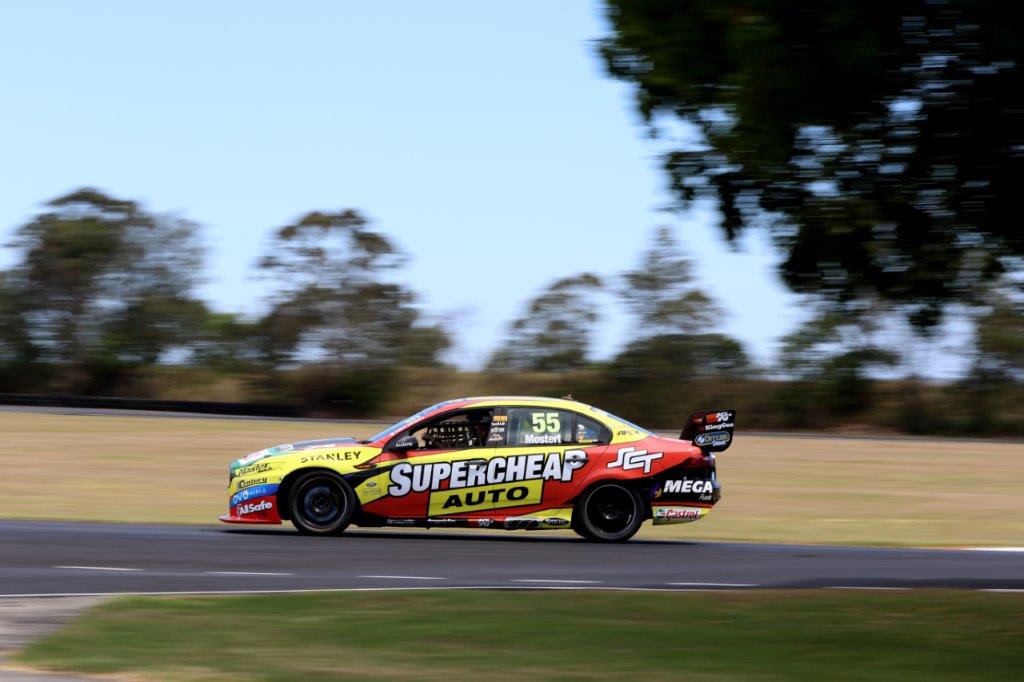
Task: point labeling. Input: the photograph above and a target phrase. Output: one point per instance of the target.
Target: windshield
(398, 426)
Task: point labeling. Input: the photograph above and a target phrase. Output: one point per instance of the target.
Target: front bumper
(243, 508)
(247, 520)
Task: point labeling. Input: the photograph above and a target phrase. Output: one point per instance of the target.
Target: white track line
(714, 584)
(995, 549)
(401, 577)
(506, 586)
(186, 593)
(863, 587)
(243, 573)
(100, 568)
(565, 582)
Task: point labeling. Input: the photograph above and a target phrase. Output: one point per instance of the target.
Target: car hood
(289, 448)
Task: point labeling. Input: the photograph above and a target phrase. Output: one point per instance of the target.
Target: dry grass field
(775, 489)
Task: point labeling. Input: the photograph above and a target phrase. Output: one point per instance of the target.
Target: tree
(103, 286)
(653, 376)
(659, 292)
(882, 143)
(831, 358)
(1000, 340)
(333, 304)
(17, 354)
(555, 332)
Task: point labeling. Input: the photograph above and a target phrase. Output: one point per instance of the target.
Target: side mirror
(404, 444)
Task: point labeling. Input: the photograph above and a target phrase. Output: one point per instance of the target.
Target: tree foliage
(830, 359)
(101, 285)
(882, 142)
(660, 292)
(1000, 340)
(334, 301)
(554, 334)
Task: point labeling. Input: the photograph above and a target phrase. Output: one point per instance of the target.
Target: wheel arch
(642, 486)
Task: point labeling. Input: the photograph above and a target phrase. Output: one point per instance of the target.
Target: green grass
(489, 635)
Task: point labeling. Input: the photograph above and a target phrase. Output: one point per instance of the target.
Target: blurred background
(803, 211)
(358, 209)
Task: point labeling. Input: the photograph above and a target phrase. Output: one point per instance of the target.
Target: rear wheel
(609, 512)
(321, 504)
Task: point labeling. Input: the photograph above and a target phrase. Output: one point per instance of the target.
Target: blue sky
(483, 136)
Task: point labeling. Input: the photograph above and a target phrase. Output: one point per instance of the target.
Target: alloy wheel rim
(610, 510)
(322, 503)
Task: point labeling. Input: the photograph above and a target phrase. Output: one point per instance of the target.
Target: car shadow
(439, 536)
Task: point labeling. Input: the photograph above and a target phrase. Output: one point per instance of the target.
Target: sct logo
(243, 509)
(630, 458)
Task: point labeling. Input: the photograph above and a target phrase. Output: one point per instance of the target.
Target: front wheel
(609, 512)
(321, 504)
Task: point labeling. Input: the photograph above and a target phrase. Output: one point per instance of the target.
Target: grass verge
(489, 635)
(888, 492)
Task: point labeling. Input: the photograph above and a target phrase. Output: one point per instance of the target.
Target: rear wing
(710, 430)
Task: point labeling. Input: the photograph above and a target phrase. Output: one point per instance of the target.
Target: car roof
(526, 400)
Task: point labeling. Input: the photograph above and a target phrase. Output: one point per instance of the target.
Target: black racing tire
(608, 512)
(321, 503)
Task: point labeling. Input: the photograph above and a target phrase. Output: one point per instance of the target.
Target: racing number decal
(546, 422)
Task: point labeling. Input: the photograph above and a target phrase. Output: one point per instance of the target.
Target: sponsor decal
(253, 492)
(441, 522)
(346, 456)
(484, 523)
(485, 497)
(677, 514)
(687, 486)
(416, 478)
(713, 438)
(556, 521)
(257, 468)
(499, 419)
(371, 484)
(253, 508)
(250, 482)
(521, 523)
(400, 522)
(630, 458)
(718, 420)
(249, 459)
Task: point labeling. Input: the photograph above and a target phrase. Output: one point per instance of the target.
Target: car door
(441, 477)
(541, 443)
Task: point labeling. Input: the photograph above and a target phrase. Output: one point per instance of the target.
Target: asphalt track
(40, 558)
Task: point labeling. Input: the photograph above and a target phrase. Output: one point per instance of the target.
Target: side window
(539, 426)
(460, 430)
(589, 432)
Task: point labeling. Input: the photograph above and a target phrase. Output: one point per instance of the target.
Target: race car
(492, 462)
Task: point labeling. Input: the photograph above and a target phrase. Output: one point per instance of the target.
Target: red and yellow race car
(494, 462)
